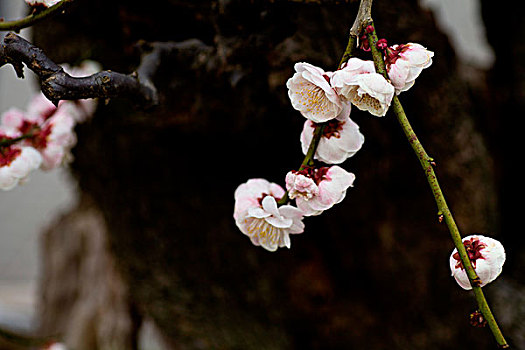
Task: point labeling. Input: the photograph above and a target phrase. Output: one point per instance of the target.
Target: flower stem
(443, 210)
(30, 20)
(9, 142)
(309, 157)
(349, 51)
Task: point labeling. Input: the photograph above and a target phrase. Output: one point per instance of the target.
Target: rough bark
(82, 296)
(370, 272)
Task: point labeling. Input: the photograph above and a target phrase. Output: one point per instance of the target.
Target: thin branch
(349, 51)
(443, 209)
(309, 157)
(35, 17)
(8, 142)
(139, 86)
(364, 15)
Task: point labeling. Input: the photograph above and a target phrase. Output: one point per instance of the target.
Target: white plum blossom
(318, 189)
(356, 66)
(487, 256)
(310, 92)
(364, 88)
(341, 139)
(44, 3)
(16, 163)
(405, 62)
(258, 215)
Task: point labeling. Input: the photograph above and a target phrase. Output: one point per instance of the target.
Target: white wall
(27, 208)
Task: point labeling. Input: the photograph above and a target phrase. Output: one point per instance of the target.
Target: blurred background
(29, 213)
(25, 210)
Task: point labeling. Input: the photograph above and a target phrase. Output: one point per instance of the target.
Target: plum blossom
(39, 109)
(51, 131)
(487, 256)
(405, 62)
(318, 189)
(341, 139)
(43, 3)
(258, 215)
(58, 138)
(310, 92)
(16, 162)
(358, 84)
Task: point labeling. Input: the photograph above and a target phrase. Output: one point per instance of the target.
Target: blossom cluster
(41, 136)
(262, 209)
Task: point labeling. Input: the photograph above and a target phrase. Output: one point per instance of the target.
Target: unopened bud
(477, 319)
(382, 44)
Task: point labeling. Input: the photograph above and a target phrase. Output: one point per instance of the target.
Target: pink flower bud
(381, 44)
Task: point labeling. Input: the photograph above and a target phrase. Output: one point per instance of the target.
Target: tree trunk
(372, 272)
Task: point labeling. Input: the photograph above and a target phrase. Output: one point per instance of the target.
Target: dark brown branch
(58, 85)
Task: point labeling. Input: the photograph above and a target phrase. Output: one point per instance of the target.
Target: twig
(309, 157)
(364, 15)
(139, 86)
(9, 142)
(427, 165)
(35, 17)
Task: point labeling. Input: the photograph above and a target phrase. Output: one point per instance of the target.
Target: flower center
(267, 234)
(316, 174)
(8, 154)
(331, 128)
(363, 100)
(473, 247)
(315, 99)
(393, 54)
(263, 195)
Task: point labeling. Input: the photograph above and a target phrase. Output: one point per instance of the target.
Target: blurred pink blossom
(16, 162)
(44, 3)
